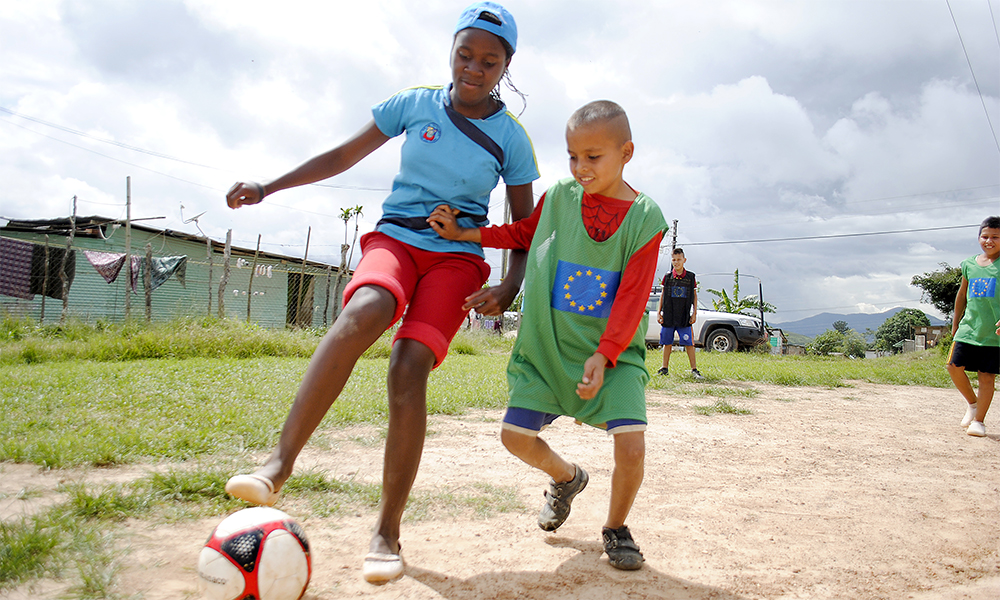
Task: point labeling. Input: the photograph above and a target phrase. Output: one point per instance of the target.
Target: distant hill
(797, 338)
(815, 325)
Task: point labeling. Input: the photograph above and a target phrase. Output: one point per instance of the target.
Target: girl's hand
(242, 194)
(593, 376)
(444, 223)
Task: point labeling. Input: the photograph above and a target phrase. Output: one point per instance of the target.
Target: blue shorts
(529, 422)
(683, 334)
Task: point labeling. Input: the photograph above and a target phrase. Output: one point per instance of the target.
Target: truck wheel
(721, 340)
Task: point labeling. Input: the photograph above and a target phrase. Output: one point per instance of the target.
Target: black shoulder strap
(474, 133)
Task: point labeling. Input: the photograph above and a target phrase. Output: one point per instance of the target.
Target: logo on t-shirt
(584, 290)
(982, 287)
(430, 133)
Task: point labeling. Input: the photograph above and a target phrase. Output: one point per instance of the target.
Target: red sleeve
(630, 301)
(514, 236)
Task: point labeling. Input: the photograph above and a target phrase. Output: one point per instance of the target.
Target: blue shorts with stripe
(530, 422)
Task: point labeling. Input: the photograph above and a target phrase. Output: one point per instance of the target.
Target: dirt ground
(868, 491)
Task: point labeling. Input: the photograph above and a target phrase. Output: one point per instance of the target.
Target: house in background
(282, 290)
(928, 336)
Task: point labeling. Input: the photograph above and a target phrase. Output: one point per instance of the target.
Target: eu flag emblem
(584, 290)
(982, 287)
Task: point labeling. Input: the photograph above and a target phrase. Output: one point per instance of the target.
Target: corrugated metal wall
(275, 282)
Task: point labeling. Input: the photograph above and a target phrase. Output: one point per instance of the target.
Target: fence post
(326, 307)
(208, 251)
(128, 246)
(45, 279)
(253, 271)
(302, 280)
(225, 273)
(148, 280)
(62, 268)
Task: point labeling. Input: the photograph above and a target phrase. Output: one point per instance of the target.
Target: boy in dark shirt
(677, 311)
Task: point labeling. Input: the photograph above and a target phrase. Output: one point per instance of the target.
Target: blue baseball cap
(490, 16)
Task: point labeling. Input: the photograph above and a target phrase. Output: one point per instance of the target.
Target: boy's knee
(630, 448)
(516, 443)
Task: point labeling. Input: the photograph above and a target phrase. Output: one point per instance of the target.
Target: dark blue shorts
(983, 359)
(530, 422)
(683, 334)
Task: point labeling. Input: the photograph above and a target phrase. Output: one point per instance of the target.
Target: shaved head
(605, 113)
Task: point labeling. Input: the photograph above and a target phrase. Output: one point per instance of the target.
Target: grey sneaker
(558, 498)
(697, 375)
(623, 553)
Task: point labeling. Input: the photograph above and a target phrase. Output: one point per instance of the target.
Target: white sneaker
(970, 414)
(977, 429)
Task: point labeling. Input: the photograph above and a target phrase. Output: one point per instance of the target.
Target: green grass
(915, 368)
(722, 407)
(23, 343)
(28, 550)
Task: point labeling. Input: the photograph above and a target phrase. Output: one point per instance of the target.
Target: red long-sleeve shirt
(601, 216)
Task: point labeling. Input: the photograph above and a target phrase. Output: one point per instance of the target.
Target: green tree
(747, 305)
(854, 344)
(826, 342)
(939, 288)
(841, 326)
(899, 327)
(847, 342)
(346, 214)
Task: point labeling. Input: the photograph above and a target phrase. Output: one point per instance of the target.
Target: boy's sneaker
(623, 552)
(663, 371)
(697, 375)
(558, 498)
(970, 415)
(977, 429)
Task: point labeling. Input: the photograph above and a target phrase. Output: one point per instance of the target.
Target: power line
(824, 237)
(974, 80)
(149, 152)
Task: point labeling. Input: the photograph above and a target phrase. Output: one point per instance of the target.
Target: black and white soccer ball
(257, 553)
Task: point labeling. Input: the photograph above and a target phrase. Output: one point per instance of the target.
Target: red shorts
(430, 287)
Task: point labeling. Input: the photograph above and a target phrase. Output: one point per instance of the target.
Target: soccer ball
(255, 554)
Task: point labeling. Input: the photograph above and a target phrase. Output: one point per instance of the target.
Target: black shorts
(983, 359)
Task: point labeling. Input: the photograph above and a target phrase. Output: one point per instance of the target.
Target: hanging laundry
(107, 264)
(135, 267)
(45, 267)
(163, 268)
(15, 268)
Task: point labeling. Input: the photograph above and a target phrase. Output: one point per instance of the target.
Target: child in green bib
(976, 345)
(592, 243)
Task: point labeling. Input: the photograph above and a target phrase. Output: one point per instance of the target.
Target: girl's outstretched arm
(328, 164)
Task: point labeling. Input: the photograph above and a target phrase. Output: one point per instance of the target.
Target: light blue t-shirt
(440, 165)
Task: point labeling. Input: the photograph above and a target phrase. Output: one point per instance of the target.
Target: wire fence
(91, 276)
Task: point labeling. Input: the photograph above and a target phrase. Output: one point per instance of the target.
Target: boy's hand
(444, 223)
(593, 376)
(490, 301)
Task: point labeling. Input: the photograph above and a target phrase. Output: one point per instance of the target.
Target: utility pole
(673, 243)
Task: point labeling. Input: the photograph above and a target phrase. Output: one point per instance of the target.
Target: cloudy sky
(753, 120)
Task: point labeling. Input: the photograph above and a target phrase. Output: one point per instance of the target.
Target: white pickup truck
(712, 330)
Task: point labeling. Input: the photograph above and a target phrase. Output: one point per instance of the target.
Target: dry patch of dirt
(863, 492)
